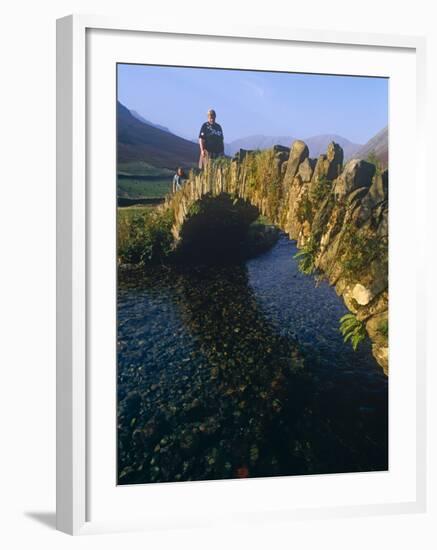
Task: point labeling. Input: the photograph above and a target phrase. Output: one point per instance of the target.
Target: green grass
(140, 180)
(126, 213)
(143, 189)
(141, 169)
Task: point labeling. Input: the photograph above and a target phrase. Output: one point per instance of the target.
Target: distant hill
(256, 142)
(141, 141)
(319, 144)
(316, 144)
(142, 119)
(378, 145)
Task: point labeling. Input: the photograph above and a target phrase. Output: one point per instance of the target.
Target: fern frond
(300, 254)
(352, 329)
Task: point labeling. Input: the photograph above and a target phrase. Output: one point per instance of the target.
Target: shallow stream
(240, 371)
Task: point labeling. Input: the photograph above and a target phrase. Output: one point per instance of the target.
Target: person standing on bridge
(210, 140)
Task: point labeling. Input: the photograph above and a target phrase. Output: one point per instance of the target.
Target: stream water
(240, 371)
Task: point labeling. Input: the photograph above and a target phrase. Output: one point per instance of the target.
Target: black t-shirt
(213, 136)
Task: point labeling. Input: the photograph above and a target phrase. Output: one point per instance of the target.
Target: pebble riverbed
(238, 371)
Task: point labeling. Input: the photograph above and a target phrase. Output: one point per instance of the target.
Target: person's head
(180, 171)
(211, 116)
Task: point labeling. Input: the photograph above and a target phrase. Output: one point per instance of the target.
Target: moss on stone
(359, 249)
(304, 210)
(320, 190)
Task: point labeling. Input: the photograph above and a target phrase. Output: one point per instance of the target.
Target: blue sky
(252, 102)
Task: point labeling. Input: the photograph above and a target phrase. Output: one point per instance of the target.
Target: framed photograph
(240, 330)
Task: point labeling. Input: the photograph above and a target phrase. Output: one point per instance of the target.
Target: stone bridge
(338, 214)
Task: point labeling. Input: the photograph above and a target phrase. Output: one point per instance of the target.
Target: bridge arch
(252, 177)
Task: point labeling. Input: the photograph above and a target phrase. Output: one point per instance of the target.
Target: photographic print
(252, 274)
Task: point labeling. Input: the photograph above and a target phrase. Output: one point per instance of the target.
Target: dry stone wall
(338, 214)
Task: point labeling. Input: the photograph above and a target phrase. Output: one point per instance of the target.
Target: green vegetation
(360, 249)
(352, 329)
(304, 209)
(140, 180)
(262, 176)
(139, 168)
(320, 190)
(144, 235)
(274, 195)
(126, 213)
(142, 189)
(307, 257)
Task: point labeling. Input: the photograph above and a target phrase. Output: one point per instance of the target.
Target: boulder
(362, 295)
(374, 325)
(239, 155)
(380, 353)
(382, 225)
(334, 156)
(306, 169)
(356, 174)
(298, 153)
(281, 156)
(322, 217)
(329, 166)
(378, 305)
(320, 168)
(378, 191)
(357, 195)
(349, 300)
(281, 149)
(378, 272)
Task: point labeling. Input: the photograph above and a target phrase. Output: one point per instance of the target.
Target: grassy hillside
(141, 142)
(140, 180)
(132, 188)
(141, 168)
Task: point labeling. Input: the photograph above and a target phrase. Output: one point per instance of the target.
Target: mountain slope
(138, 141)
(378, 145)
(142, 119)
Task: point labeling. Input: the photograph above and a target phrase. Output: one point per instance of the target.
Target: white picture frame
(73, 261)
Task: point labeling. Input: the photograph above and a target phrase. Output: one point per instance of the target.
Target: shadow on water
(213, 384)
